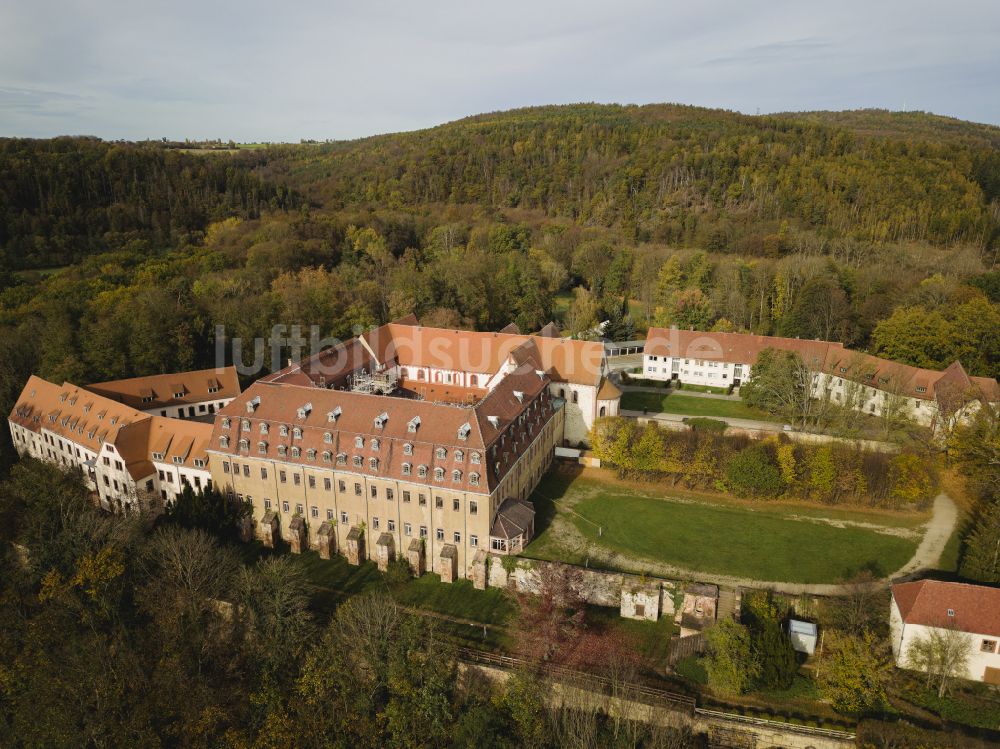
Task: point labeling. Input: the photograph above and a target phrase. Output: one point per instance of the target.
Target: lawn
(761, 542)
(689, 405)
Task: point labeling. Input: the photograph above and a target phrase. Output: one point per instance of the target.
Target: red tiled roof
(163, 390)
(976, 607)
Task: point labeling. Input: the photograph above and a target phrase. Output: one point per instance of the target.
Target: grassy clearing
(703, 389)
(460, 599)
(686, 405)
(761, 542)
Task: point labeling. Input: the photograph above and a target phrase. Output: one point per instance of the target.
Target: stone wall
(610, 589)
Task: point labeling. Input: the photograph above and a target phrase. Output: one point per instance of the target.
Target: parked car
(787, 428)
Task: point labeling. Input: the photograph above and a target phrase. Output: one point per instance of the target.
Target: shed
(803, 636)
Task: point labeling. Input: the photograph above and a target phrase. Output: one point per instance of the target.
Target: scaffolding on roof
(378, 383)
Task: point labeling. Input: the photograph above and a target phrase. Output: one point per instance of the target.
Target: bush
(398, 572)
(706, 424)
(752, 472)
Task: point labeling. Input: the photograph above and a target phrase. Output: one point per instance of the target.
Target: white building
(849, 378)
(920, 608)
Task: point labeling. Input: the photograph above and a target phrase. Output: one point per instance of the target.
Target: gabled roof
(514, 517)
(157, 391)
(565, 360)
(975, 608)
(743, 348)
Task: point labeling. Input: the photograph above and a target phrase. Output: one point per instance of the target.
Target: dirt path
(936, 533)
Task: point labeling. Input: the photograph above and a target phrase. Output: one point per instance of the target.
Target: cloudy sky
(281, 71)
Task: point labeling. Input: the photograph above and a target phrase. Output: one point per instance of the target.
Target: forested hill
(684, 175)
(66, 198)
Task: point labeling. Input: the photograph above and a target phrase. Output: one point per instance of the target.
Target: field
(688, 405)
(615, 525)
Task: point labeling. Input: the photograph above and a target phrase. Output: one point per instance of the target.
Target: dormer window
(456, 476)
(244, 444)
(358, 460)
(381, 419)
(225, 422)
(297, 433)
(282, 450)
(199, 463)
(246, 425)
(407, 449)
(459, 456)
(441, 453)
(296, 452)
(341, 459)
(157, 456)
(262, 447)
(252, 404)
(422, 471)
(178, 460)
(283, 430)
(328, 438)
(311, 453)
(333, 415)
(359, 442)
(921, 390)
(223, 440)
(263, 427)
(327, 456)
(951, 612)
(373, 463)
(179, 394)
(464, 431)
(407, 468)
(439, 474)
(305, 410)
(413, 424)
(474, 479)
(375, 444)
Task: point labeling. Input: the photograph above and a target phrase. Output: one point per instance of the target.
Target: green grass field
(768, 543)
(687, 405)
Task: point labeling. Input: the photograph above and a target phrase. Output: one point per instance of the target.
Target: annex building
(115, 435)
(849, 378)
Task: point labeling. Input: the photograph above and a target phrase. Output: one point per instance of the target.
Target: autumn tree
(733, 665)
(853, 673)
(943, 653)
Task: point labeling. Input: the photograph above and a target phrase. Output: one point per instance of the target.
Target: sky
(327, 69)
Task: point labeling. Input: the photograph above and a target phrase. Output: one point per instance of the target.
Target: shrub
(752, 472)
(706, 424)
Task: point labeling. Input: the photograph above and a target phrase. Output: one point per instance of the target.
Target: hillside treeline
(681, 175)
(66, 198)
(765, 469)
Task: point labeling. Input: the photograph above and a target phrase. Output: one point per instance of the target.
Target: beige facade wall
(406, 510)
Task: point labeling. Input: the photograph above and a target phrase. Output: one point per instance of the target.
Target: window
(282, 450)
(225, 422)
(473, 507)
(341, 459)
(343, 518)
(439, 534)
(312, 482)
(459, 456)
(284, 506)
(389, 495)
(329, 514)
(246, 425)
(328, 438)
(282, 477)
(441, 453)
(327, 456)
(407, 529)
(422, 500)
(438, 503)
(456, 504)
(357, 489)
(407, 449)
(315, 511)
(225, 467)
(297, 433)
(406, 496)
(423, 531)
(374, 524)
(311, 453)
(263, 473)
(267, 504)
(296, 479)
(263, 427)
(407, 469)
(359, 442)
(327, 484)
(474, 458)
(374, 492)
(422, 471)
(358, 460)
(296, 452)
(458, 537)
(456, 476)
(283, 430)
(988, 646)
(375, 444)
(391, 525)
(341, 486)
(439, 474)
(373, 463)
(474, 541)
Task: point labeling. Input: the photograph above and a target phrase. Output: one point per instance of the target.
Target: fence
(684, 647)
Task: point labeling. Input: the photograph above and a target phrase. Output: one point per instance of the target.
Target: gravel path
(936, 533)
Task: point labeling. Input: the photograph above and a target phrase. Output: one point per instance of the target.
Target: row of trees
(766, 468)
